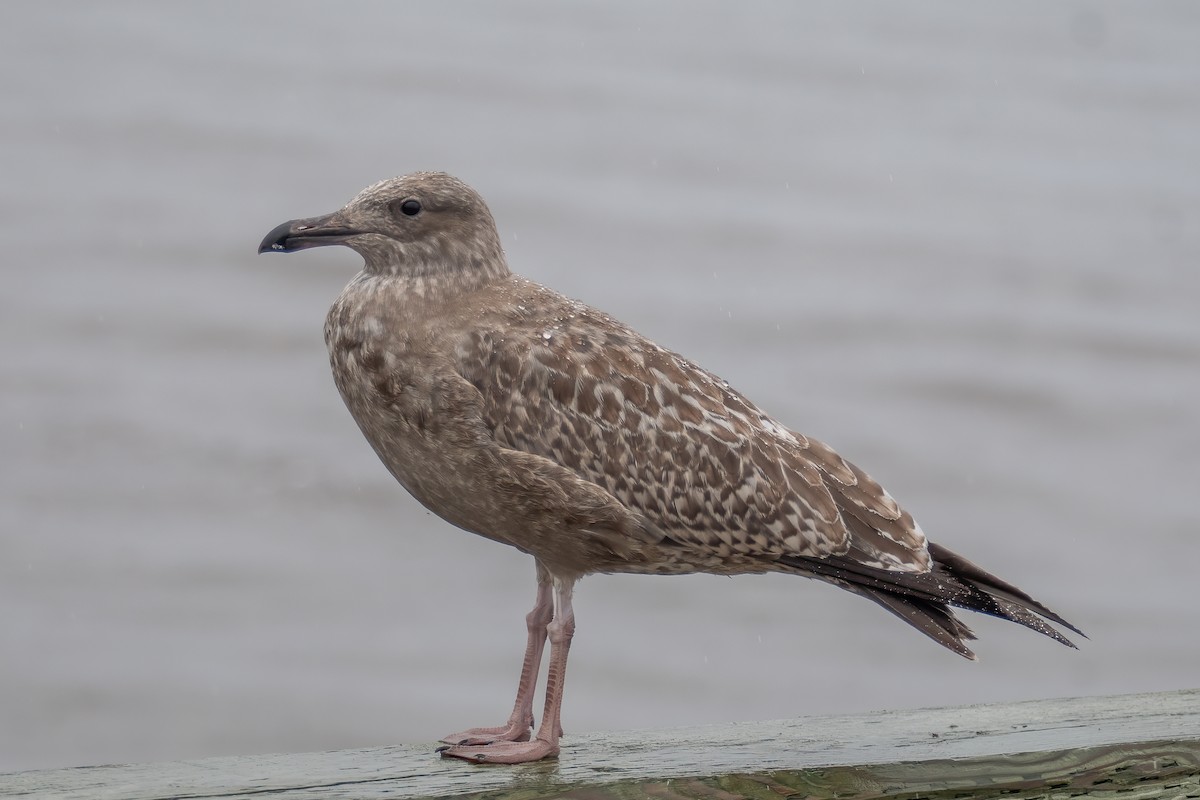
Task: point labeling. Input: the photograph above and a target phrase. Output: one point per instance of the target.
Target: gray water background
(960, 242)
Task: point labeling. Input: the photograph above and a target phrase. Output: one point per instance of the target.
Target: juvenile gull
(534, 420)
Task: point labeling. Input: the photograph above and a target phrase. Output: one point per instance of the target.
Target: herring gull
(534, 420)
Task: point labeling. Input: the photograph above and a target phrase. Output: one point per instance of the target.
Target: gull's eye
(409, 207)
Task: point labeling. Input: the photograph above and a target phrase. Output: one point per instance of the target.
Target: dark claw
(442, 749)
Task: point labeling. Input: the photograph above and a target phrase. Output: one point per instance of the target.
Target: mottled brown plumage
(531, 419)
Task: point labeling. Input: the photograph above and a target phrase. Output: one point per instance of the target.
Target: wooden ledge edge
(1143, 745)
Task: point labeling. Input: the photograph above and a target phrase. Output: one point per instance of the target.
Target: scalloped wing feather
(678, 445)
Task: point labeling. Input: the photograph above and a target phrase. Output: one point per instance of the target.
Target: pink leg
(546, 742)
(520, 723)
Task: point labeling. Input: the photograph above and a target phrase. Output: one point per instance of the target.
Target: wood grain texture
(1130, 746)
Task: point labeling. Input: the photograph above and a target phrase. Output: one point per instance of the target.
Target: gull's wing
(678, 445)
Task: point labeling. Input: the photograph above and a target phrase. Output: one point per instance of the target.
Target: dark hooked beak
(300, 234)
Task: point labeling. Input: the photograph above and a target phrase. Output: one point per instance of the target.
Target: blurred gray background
(960, 242)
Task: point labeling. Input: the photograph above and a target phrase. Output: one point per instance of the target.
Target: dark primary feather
(923, 599)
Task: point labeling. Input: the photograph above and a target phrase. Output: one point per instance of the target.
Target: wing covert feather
(678, 445)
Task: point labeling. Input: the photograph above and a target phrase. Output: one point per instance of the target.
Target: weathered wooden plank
(1132, 746)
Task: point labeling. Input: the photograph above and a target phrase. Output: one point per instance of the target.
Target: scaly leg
(520, 723)
(560, 631)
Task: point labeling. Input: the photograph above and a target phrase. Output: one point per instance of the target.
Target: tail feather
(923, 599)
(935, 620)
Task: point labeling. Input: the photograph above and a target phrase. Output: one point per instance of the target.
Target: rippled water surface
(960, 243)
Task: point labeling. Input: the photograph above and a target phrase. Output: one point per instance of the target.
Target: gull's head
(420, 224)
